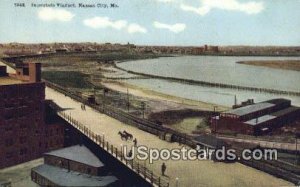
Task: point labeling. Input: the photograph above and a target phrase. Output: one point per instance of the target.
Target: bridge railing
(133, 164)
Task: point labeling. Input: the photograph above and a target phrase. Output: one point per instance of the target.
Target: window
(22, 102)
(9, 155)
(23, 126)
(8, 128)
(23, 139)
(8, 116)
(8, 105)
(23, 151)
(25, 71)
(9, 142)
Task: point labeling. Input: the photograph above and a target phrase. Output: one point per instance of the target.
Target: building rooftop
(79, 154)
(250, 109)
(6, 80)
(259, 120)
(285, 111)
(278, 101)
(63, 177)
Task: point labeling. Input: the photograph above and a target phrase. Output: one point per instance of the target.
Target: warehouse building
(256, 119)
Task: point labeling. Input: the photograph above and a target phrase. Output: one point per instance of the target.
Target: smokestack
(34, 72)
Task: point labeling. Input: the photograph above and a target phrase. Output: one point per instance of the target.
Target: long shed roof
(260, 120)
(250, 109)
(78, 153)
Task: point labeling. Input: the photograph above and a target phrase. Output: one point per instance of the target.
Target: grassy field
(71, 79)
(188, 125)
(185, 121)
(278, 64)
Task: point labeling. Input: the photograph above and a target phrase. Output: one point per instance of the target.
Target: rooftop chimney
(34, 72)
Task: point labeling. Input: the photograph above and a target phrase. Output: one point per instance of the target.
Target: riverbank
(277, 64)
(150, 94)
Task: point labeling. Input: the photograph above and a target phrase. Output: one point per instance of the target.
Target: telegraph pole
(297, 155)
(127, 100)
(143, 108)
(103, 102)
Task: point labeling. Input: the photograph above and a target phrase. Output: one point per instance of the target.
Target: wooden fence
(114, 151)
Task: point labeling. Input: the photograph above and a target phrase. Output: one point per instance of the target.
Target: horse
(129, 136)
(123, 136)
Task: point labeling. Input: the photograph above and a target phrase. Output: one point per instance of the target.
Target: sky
(155, 22)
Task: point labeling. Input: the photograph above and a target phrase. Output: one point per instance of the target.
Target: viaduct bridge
(102, 127)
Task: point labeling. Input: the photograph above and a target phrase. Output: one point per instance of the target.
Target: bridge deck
(190, 173)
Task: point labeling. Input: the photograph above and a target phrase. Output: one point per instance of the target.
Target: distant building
(61, 50)
(72, 166)
(214, 49)
(256, 119)
(25, 134)
(197, 50)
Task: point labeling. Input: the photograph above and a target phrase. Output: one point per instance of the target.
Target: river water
(217, 69)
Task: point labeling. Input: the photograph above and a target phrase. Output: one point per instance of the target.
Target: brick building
(256, 119)
(25, 135)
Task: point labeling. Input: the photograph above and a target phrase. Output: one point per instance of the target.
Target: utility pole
(215, 109)
(103, 102)
(296, 138)
(95, 94)
(143, 105)
(216, 123)
(127, 100)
